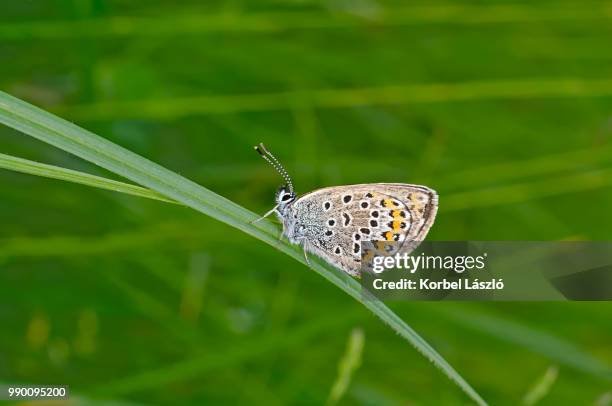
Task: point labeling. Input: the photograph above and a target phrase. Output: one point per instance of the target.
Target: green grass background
(504, 108)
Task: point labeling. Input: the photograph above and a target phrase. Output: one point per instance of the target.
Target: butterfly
(333, 222)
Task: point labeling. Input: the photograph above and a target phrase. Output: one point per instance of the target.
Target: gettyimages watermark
(413, 263)
(487, 270)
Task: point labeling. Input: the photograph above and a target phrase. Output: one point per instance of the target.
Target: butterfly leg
(306, 255)
(264, 216)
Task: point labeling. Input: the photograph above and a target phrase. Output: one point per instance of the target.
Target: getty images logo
(414, 263)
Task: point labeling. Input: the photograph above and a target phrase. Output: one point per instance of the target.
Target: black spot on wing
(347, 219)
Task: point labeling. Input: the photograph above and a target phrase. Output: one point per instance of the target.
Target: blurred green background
(504, 108)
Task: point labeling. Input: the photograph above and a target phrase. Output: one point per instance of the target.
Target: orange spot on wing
(397, 220)
(387, 202)
(389, 236)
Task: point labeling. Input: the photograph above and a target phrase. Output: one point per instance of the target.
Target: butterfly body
(333, 222)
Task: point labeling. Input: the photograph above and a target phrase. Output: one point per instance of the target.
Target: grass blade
(542, 386)
(230, 356)
(334, 98)
(62, 134)
(195, 22)
(69, 175)
(526, 191)
(349, 363)
(541, 342)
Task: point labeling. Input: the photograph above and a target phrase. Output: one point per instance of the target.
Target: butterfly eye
(286, 197)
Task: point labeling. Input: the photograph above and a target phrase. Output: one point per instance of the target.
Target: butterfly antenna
(267, 155)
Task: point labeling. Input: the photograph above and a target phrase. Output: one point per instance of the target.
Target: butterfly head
(284, 197)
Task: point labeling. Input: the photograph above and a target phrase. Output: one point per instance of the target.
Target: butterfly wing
(342, 217)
